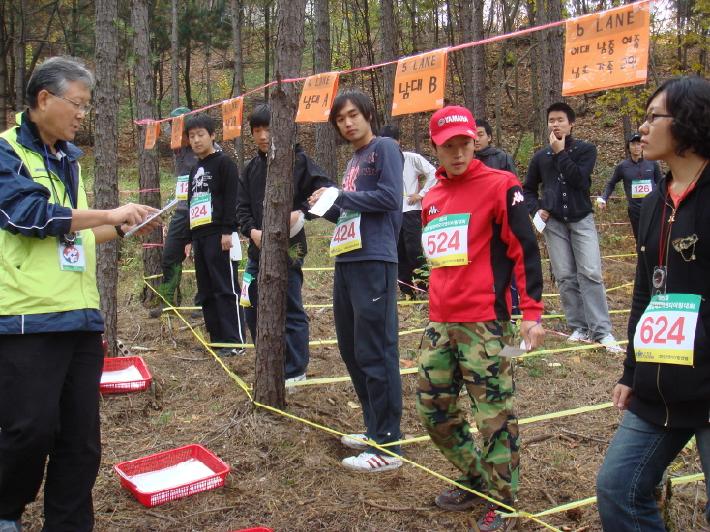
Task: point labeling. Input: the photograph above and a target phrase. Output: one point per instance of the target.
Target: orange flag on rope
(419, 83)
(176, 137)
(607, 50)
(152, 131)
(232, 111)
(317, 97)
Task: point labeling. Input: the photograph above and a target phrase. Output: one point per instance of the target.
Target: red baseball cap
(450, 121)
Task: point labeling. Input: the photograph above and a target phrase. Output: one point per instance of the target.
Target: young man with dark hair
(471, 249)
(212, 199)
(564, 168)
(369, 215)
(489, 155)
(307, 177)
(178, 234)
(639, 177)
(409, 244)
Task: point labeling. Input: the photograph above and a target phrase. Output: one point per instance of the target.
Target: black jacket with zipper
(672, 395)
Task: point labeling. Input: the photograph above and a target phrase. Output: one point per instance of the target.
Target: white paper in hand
(325, 201)
(235, 252)
(539, 223)
(153, 216)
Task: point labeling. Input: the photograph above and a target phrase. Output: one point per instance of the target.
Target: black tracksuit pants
(49, 407)
(409, 249)
(366, 324)
(177, 238)
(219, 289)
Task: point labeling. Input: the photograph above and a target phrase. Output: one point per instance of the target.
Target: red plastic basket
(156, 462)
(119, 363)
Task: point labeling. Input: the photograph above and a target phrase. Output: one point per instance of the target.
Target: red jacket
(500, 241)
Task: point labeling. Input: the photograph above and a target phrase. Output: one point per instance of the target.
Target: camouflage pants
(458, 354)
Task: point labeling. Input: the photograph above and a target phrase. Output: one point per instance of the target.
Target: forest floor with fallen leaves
(286, 474)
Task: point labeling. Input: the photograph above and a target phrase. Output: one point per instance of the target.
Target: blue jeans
(577, 267)
(297, 330)
(634, 464)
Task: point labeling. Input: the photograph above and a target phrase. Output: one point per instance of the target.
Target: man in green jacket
(51, 357)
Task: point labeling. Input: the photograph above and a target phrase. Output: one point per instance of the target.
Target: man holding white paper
(564, 168)
(307, 177)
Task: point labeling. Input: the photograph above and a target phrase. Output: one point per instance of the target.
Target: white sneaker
(355, 441)
(579, 335)
(372, 463)
(611, 344)
(297, 378)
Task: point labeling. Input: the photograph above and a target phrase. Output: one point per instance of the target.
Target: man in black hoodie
(307, 177)
(489, 155)
(212, 199)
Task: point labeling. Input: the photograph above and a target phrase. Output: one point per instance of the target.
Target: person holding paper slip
(212, 200)
(307, 177)
(51, 354)
(472, 247)
(639, 177)
(664, 390)
(368, 216)
(564, 168)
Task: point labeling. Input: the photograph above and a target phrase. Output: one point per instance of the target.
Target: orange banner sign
(420, 82)
(176, 137)
(607, 50)
(232, 118)
(152, 131)
(317, 97)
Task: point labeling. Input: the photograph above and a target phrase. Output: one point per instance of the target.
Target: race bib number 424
(200, 210)
(665, 333)
(346, 236)
(445, 240)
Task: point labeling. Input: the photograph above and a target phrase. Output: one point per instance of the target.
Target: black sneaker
(493, 521)
(456, 499)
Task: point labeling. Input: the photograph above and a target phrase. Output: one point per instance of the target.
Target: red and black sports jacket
(500, 242)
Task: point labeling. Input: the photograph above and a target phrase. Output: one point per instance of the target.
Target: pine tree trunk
(325, 134)
(149, 177)
(19, 39)
(106, 95)
(389, 31)
(271, 325)
(175, 59)
(238, 81)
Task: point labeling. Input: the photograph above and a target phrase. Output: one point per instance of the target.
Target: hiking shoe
(456, 499)
(355, 441)
(611, 344)
(153, 314)
(10, 526)
(579, 335)
(492, 521)
(372, 463)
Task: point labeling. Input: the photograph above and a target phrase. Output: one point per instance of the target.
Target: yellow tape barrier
(247, 391)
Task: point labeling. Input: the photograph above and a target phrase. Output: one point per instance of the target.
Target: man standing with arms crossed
(564, 167)
(369, 215)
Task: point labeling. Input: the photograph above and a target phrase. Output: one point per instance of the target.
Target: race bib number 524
(445, 240)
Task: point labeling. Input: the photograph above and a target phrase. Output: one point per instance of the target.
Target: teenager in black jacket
(665, 386)
(307, 177)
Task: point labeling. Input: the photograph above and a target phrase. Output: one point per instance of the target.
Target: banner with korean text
(607, 50)
(152, 131)
(232, 111)
(419, 83)
(176, 137)
(317, 97)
